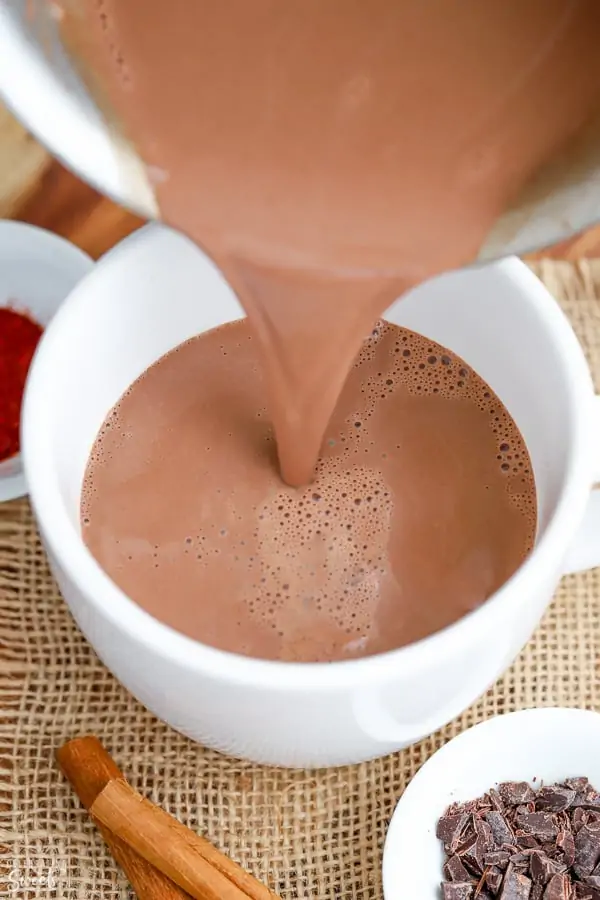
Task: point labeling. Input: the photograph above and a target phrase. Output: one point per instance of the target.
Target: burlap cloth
(315, 834)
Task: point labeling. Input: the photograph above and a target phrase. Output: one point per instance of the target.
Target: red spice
(19, 336)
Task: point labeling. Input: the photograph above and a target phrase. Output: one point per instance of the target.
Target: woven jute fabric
(316, 834)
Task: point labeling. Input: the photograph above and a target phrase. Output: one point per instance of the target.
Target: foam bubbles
(312, 551)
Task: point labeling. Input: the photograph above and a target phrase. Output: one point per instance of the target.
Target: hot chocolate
(422, 505)
(328, 155)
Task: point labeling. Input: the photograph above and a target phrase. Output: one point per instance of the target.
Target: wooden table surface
(35, 188)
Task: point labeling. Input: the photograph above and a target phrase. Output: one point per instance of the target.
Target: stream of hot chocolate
(328, 154)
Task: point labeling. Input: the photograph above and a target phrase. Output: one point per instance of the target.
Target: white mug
(156, 290)
(43, 89)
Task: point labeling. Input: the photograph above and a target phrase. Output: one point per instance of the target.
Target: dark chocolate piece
(558, 888)
(540, 825)
(587, 850)
(525, 808)
(527, 842)
(473, 857)
(498, 858)
(496, 801)
(515, 885)
(454, 869)
(566, 842)
(493, 879)
(458, 891)
(502, 833)
(450, 828)
(484, 832)
(579, 785)
(588, 798)
(515, 793)
(543, 868)
(554, 799)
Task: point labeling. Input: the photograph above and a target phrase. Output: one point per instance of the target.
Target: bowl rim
(31, 238)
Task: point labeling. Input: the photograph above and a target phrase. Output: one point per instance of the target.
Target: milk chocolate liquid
(422, 505)
(328, 154)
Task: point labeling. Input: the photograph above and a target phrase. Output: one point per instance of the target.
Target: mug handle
(584, 553)
(380, 725)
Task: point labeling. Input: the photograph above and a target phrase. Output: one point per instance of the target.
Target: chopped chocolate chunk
(450, 828)
(483, 831)
(498, 858)
(543, 868)
(554, 799)
(515, 793)
(515, 885)
(473, 857)
(527, 842)
(515, 843)
(558, 888)
(458, 891)
(496, 801)
(566, 842)
(466, 844)
(587, 850)
(454, 870)
(493, 880)
(579, 785)
(502, 833)
(589, 798)
(540, 825)
(525, 808)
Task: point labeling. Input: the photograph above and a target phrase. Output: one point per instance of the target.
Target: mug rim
(93, 583)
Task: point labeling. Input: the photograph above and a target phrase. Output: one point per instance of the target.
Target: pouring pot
(42, 88)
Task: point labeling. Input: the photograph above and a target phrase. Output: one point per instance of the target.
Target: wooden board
(22, 165)
(37, 189)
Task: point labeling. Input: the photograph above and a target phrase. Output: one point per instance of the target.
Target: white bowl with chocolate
(508, 809)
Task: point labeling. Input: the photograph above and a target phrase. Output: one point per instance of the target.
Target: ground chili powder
(19, 336)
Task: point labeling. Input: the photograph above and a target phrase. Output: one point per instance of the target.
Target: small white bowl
(38, 270)
(536, 745)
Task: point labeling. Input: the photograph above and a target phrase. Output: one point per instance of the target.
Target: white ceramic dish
(37, 271)
(547, 745)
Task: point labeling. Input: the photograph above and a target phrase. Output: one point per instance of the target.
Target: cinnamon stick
(187, 859)
(89, 768)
